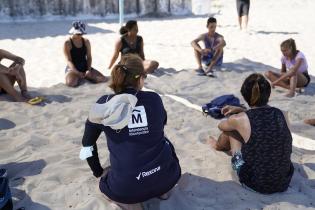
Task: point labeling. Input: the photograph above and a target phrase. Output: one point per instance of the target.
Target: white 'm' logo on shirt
(138, 118)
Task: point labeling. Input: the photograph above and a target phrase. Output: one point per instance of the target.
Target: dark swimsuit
(127, 48)
(79, 57)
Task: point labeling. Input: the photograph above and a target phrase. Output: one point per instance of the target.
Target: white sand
(40, 144)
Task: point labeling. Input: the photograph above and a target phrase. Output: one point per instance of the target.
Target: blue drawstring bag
(214, 107)
(5, 195)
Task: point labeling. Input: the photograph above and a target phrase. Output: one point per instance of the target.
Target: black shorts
(305, 73)
(242, 7)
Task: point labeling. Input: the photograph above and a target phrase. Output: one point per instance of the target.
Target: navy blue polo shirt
(143, 163)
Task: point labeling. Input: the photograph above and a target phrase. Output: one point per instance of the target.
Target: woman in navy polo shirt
(143, 163)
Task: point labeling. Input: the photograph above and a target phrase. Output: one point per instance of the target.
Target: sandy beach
(40, 144)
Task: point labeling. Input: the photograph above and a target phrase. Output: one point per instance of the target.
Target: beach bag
(214, 107)
(5, 195)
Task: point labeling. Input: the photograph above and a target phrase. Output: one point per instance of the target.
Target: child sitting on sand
(310, 121)
(259, 140)
(77, 51)
(294, 70)
(212, 54)
(14, 73)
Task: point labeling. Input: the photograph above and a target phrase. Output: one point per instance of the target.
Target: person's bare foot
(25, 94)
(290, 94)
(165, 196)
(212, 142)
(310, 122)
(20, 99)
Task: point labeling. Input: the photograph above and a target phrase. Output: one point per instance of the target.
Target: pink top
(290, 63)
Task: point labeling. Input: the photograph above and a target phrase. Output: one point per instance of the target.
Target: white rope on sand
(298, 141)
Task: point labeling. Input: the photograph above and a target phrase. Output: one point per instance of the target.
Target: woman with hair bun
(258, 139)
(294, 69)
(131, 43)
(143, 162)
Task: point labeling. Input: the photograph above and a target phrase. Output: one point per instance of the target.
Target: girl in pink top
(294, 72)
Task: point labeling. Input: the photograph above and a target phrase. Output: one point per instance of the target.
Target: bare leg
(150, 66)
(273, 76)
(7, 84)
(301, 80)
(22, 84)
(245, 21)
(240, 22)
(293, 82)
(216, 56)
(198, 58)
(310, 121)
(95, 76)
(224, 143)
(72, 80)
(236, 145)
(296, 81)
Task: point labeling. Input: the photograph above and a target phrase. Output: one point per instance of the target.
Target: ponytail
(123, 30)
(256, 90)
(255, 94)
(129, 25)
(127, 73)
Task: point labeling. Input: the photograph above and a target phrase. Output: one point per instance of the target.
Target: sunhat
(78, 27)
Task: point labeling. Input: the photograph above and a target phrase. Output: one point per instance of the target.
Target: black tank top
(126, 48)
(78, 56)
(268, 167)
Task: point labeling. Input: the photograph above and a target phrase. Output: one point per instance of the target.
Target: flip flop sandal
(36, 100)
(210, 74)
(200, 72)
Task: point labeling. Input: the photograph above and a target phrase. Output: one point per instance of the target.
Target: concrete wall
(38, 8)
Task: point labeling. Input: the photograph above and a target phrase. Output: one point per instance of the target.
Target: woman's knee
(268, 74)
(155, 64)
(70, 82)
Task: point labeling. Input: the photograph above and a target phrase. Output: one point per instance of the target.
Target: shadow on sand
(17, 171)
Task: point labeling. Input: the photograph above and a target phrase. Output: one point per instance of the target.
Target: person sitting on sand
(14, 73)
(143, 162)
(77, 51)
(131, 43)
(294, 70)
(310, 121)
(258, 139)
(212, 54)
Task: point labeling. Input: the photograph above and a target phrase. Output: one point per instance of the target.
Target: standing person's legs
(245, 15)
(150, 66)
(7, 84)
(72, 79)
(95, 76)
(198, 59)
(239, 13)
